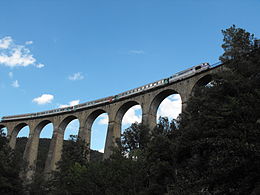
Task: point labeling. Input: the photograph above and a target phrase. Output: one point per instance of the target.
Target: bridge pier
(55, 149)
(149, 120)
(30, 156)
(85, 135)
(113, 133)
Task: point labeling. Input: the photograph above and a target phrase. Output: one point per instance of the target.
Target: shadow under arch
(201, 82)
(15, 132)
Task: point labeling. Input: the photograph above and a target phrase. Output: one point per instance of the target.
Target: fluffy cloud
(12, 55)
(136, 52)
(5, 42)
(76, 76)
(44, 99)
(170, 107)
(15, 84)
(132, 116)
(72, 103)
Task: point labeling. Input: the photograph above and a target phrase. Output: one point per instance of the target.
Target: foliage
(218, 150)
(10, 182)
(237, 42)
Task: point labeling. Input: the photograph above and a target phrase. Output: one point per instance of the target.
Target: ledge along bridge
(148, 97)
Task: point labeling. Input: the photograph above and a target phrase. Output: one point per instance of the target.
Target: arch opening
(206, 81)
(97, 124)
(168, 104)
(170, 107)
(132, 114)
(70, 125)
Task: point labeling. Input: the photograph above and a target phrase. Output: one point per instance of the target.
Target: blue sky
(82, 50)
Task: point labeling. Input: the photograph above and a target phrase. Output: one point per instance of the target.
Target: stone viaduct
(149, 100)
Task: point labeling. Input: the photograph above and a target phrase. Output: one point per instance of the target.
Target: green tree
(71, 167)
(237, 42)
(135, 140)
(218, 147)
(159, 156)
(10, 182)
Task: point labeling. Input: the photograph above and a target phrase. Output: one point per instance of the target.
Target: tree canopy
(236, 42)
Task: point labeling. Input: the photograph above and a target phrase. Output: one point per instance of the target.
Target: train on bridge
(174, 78)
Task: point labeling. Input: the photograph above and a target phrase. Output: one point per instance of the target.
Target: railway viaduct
(149, 100)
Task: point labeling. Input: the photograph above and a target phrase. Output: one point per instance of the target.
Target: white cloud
(15, 84)
(131, 116)
(103, 119)
(170, 107)
(12, 55)
(11, 74)
(101, 150)
(72, 103)
(5, 42)
(137, 52)
(44, 99)
(76, 76)
(28, 42)
(39, 65)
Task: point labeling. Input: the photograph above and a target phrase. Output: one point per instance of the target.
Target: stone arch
(114, 126)
(155, 103)
(201, 82)
(15, 132)
(92, 117)
(64, 123)
(123, 109)
(40, 126)
(87, 130)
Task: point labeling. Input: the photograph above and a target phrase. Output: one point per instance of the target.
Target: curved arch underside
(159, 98)
(65, 122)
(93, 116)
(123, 109)
(201, 82)
(41, 125)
